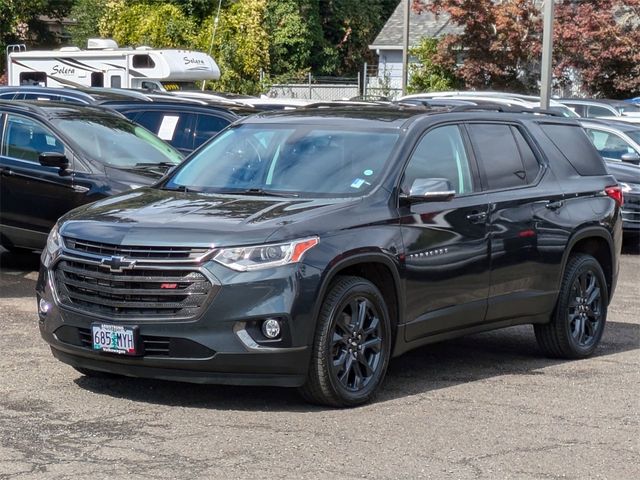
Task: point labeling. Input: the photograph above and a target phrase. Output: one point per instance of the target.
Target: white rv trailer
(103, 64)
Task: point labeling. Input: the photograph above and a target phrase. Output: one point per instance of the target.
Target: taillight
(615, 192)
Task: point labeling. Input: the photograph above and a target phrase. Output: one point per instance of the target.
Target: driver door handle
(5, 171)
(477, 217)
(554, 205)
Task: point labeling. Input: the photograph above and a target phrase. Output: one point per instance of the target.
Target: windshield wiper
(259, 192)
(155, 164)
(179, 188)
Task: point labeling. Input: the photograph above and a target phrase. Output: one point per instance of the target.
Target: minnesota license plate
(114, 338)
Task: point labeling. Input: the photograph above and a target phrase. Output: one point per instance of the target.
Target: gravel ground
(485, 406)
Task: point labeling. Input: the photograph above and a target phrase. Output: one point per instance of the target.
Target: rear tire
(352, 345)
(580, 315)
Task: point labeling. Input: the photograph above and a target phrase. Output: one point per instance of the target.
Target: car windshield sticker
(357, 183)
(168, 127)
(368, 172)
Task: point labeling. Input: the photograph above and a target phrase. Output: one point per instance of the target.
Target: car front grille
(152, 291)
(137, 252)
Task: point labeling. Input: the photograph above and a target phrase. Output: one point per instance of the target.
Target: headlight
(630, 187)
(256, 257)
(53, 248)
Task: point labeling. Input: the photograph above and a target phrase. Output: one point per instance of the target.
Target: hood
(624, 172)
(151, 216)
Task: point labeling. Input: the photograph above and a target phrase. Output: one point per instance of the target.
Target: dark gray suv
(308, 248)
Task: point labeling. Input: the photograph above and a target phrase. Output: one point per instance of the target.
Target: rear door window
(499, 155)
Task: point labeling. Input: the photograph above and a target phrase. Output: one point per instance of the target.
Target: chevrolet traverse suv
(307, 248)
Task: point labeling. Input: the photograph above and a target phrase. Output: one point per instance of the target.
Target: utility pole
(405, 47)
(547, 55)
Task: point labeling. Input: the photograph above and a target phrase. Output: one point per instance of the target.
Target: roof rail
(505, 109)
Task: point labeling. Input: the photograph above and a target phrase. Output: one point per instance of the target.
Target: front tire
(580, 315)
(352, 345)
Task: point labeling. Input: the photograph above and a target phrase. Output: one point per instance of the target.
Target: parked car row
(185, 122)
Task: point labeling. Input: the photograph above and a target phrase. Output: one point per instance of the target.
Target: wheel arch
(380, 270)
(597, 242)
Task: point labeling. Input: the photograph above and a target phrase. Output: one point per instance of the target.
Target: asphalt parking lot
(486, 406)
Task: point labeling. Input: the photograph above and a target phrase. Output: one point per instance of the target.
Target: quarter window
(26, 139)
(441, 154)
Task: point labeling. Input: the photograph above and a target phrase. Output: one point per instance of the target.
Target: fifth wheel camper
(103, 64)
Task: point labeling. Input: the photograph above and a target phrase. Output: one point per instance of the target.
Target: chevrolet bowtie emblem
(117, 264)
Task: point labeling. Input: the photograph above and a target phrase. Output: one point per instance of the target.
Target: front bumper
(220, 345)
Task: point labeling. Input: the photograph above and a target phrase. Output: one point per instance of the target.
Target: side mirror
(632, 157)
(54, 159)
(430, 190)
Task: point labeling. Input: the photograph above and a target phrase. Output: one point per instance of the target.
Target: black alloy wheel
(580, 315)
(584, 312)
(356, 344)
(352, 345)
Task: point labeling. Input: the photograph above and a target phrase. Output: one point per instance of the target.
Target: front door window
(26, 139)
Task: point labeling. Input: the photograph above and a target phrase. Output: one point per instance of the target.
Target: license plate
(114, 339)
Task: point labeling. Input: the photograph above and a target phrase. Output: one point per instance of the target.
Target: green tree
(291, 40)
(87, 15)
(20, 22)
(349, 26)
(241, 46)
(159, 25)
(426, 75)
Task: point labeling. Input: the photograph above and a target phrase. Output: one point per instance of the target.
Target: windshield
(300, 160)
(117, 142)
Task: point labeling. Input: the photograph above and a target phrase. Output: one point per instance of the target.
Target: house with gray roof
(388, 43)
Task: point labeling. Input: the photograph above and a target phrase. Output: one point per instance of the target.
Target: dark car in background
(183, 122)
(184, 125)
(82, 96)
(307, 248)
(619, 145)
(57, 156)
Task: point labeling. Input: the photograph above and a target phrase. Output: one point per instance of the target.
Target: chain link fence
(317, 88)
(369, 84)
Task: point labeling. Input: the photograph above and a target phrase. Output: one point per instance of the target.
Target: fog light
(271, 328)
(44, 306)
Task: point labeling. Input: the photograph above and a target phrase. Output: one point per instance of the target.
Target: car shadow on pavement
(511, 351)
(18, 274)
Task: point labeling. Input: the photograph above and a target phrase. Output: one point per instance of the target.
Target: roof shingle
(425, 24)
